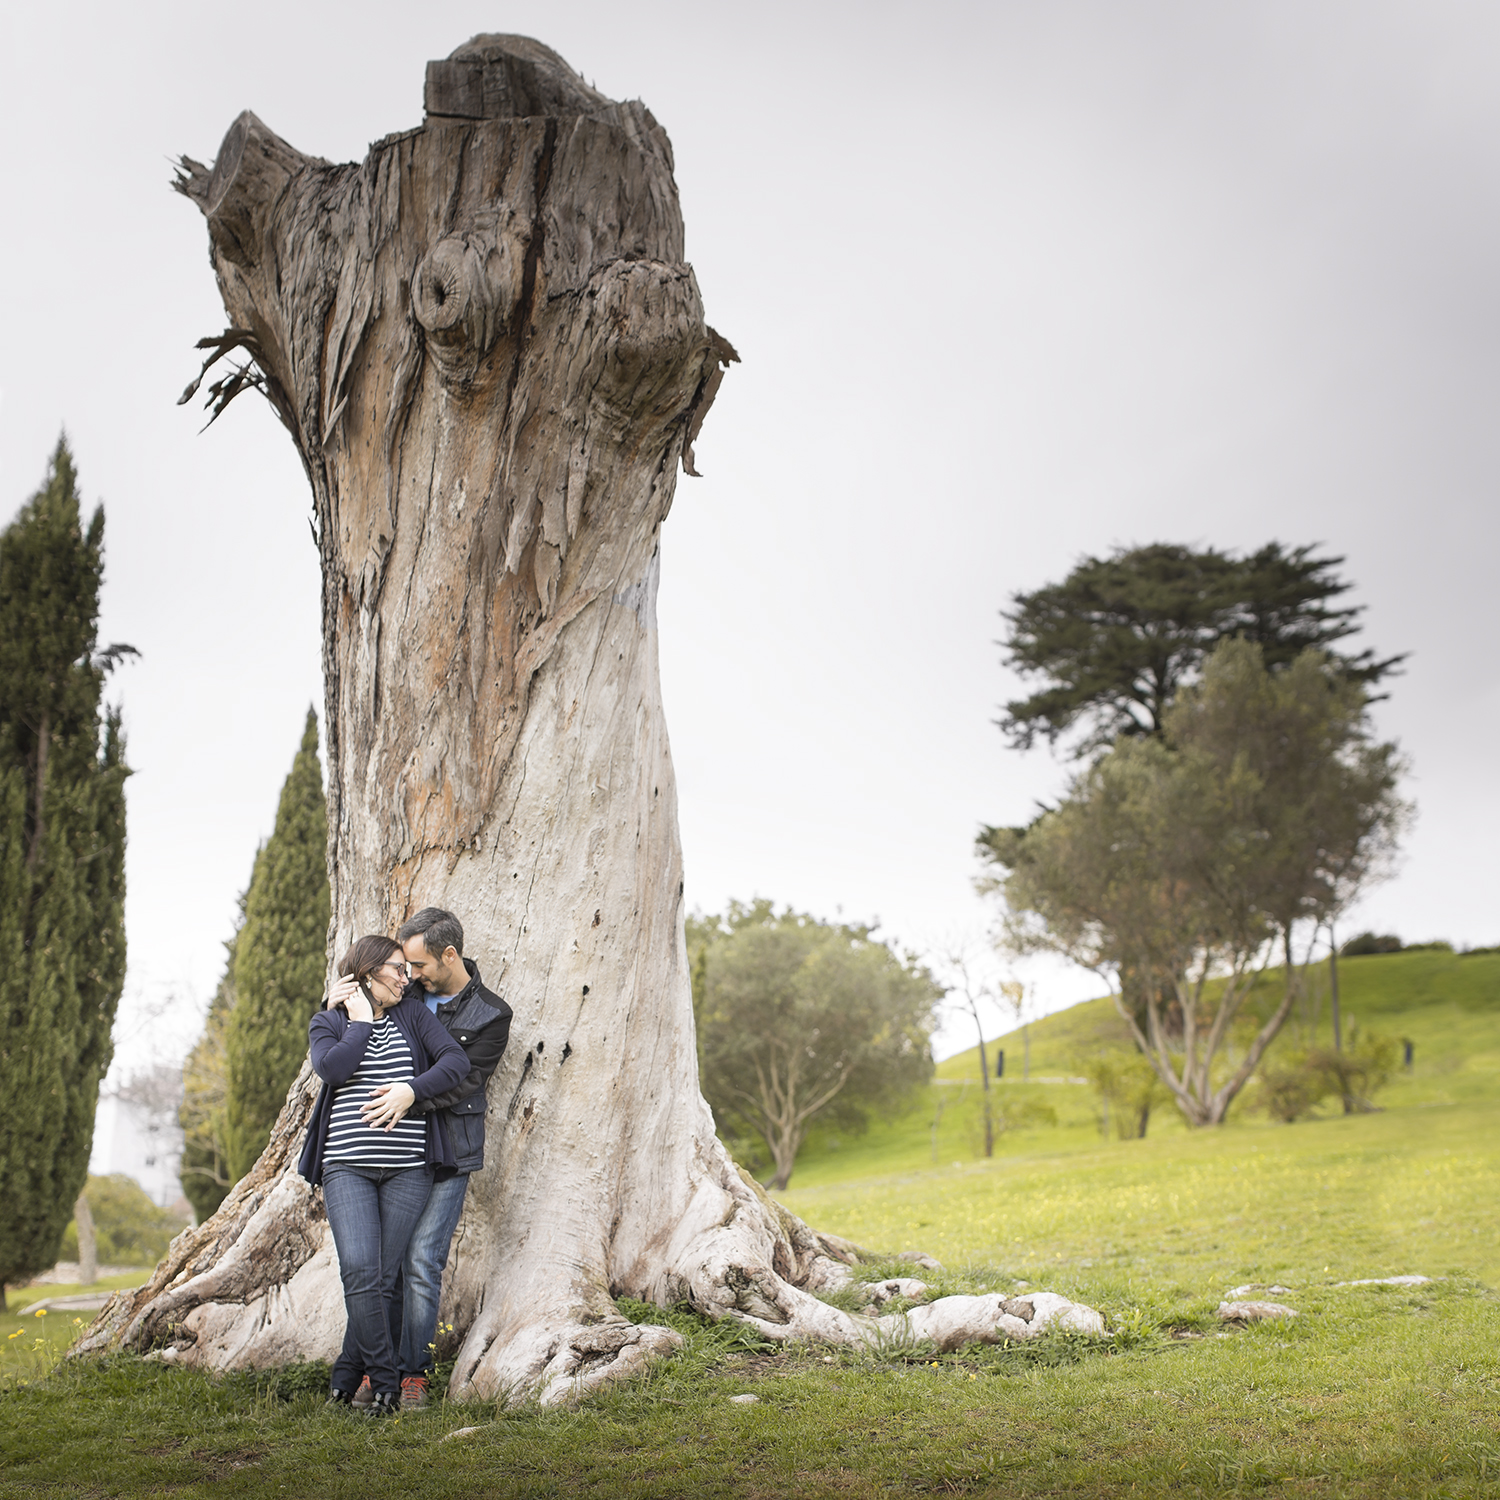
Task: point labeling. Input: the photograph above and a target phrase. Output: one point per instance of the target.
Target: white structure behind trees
(136, 1132)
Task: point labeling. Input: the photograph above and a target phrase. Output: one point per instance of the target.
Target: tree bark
(492, 356)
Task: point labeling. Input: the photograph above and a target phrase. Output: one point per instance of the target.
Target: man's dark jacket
(479, 1021)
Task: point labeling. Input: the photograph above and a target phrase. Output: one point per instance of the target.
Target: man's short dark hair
(439, 930)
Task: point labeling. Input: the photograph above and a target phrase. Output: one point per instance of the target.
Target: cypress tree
(279, 960)
(62, 864)
(205, 1086)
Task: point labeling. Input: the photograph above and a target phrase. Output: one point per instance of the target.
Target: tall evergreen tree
(280, 957)
(205, 1091)
(62, 864)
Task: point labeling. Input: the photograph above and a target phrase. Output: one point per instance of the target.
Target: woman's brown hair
(366, 955)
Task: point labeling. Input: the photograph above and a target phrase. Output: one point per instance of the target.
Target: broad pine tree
(62, 864)
(1116, 640)
(280, 957)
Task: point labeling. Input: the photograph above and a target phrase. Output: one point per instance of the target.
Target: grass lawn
(1371, 1391)
(21, 1330)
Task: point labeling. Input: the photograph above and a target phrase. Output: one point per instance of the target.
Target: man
(449, 984)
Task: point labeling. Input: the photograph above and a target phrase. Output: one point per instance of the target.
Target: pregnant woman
(376, 1177)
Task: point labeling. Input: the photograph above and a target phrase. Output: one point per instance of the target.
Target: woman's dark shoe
(384, 1404)
(336, 1397)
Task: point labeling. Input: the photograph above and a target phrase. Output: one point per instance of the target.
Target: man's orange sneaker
(413, 1393)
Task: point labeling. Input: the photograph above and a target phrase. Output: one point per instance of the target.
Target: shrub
(1294, 1083)
(1369, 942)
(1290, 1087)
(1354, 1074)
(1128, 1087)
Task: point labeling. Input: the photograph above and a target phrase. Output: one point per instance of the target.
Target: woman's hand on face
(387, 1104)
(342, 991)
(359, 1006)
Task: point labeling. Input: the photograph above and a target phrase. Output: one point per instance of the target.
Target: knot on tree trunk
(463, 294)
(651, 345)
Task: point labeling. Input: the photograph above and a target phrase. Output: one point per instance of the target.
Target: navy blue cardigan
(338, 1047)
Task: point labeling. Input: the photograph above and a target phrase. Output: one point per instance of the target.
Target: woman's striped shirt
(387, 1059)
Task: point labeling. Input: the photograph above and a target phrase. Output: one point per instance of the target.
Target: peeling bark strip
(492, 356)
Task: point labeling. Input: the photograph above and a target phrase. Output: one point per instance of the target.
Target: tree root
(267, 1243)
(257, 1286)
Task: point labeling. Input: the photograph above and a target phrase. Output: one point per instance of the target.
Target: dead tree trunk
(491, 355)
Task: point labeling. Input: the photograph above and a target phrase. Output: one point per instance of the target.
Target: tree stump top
(497, 76)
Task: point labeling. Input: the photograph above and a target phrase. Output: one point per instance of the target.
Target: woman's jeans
(372, 1212)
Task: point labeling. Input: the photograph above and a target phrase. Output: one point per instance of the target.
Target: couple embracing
(405, 1048)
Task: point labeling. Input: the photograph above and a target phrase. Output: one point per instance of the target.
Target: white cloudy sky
(1012, 282)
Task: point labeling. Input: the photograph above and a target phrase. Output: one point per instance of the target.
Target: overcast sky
(1012, 283)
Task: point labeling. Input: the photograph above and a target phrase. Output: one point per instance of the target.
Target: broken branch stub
(491, 355)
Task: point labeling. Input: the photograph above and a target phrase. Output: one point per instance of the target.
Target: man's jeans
(414, 1308)
(372, 1212)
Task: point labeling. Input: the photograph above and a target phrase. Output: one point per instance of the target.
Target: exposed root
(257, 1285)
(266, 1237)
(589, 1357)
(762, 1265)
(951, 1322)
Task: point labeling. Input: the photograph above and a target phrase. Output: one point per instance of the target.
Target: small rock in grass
(460, 1432)
(1256, 1286)
(1388, 1281)
(951, 1322)
(1042, 1310)
(1253, 1312)
(917, 1258)
(881, 1292)
(745, 1400)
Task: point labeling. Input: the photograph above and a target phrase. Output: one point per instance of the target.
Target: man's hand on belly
(387, 1105)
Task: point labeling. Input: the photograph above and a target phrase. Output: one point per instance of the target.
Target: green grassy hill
(1446, 1004)
(1168, 1222)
